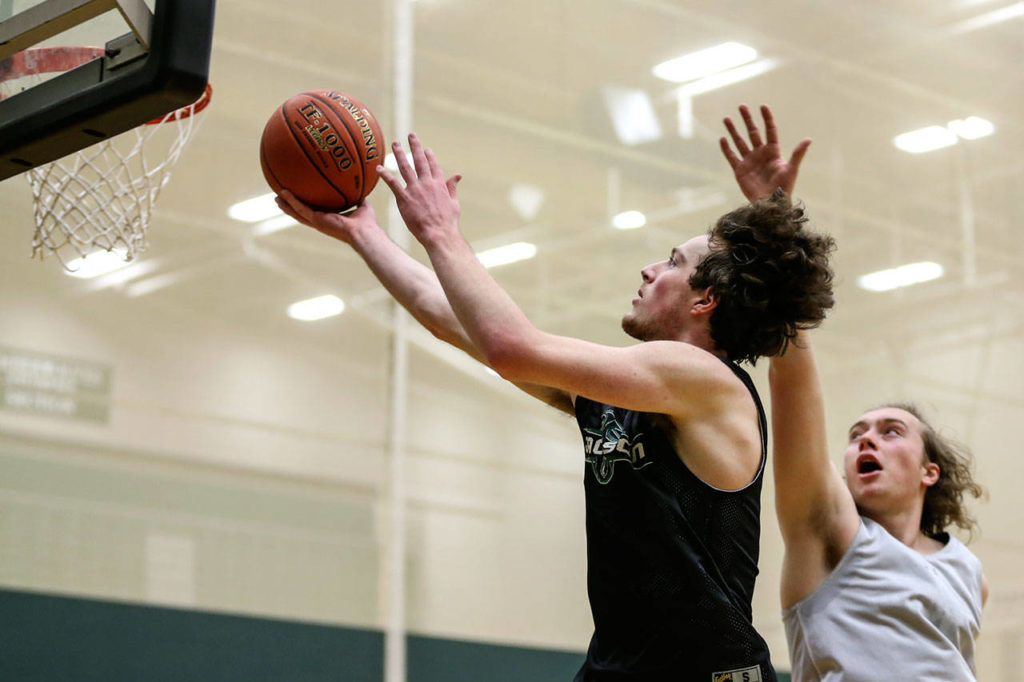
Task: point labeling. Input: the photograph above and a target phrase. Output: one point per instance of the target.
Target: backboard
(154, 58)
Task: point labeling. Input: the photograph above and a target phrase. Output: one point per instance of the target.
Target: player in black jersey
(674, 434)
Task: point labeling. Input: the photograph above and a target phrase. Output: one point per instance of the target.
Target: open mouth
(867, 464)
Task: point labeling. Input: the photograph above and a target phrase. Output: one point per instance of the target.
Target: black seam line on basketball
(266, 164)
(265, 161)
(355, 143)
(312, 161)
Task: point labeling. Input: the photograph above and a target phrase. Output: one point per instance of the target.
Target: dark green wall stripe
(51, 639)
(47, 638)
(443, 660)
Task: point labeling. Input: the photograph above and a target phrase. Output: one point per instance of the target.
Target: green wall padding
(47, 638)
(443, 660)
(51, 639)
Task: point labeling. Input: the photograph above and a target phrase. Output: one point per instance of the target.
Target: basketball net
(100, 198)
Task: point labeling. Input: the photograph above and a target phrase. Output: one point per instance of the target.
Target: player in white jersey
(872, 586)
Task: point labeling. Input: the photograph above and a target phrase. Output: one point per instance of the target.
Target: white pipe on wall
(394, 576)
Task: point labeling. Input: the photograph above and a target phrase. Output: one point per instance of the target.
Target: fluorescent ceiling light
(632, 115)
(972, 127)
(510, 253)
(629, 220)
(704, 62)
(720, 80)
(684, 116)
(272, 225)
(316, 308)
(526, 200)
(255, 209)
(96, 264)
(937, 137)
(925, 139)
(905, 275)
(989, 18)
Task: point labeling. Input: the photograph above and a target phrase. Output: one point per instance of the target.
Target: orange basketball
(323, 146)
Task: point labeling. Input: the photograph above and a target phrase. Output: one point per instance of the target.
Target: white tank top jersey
(888, 612)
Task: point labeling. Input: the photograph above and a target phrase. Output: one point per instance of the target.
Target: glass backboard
(75, 72)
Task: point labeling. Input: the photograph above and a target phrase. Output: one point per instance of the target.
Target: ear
(706, 302)
(931, 474)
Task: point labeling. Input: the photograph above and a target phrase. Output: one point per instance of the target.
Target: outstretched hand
(758, 166)
(427, 202)
(343, 227)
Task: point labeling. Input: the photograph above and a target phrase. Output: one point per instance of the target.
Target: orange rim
(187, 110)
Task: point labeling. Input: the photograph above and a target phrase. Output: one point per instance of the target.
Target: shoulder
(679, 351)
(692, 362)
(956, 551)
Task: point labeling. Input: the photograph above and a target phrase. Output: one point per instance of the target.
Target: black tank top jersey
(671, 560)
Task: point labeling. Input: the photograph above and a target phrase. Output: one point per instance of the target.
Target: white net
(102, 197)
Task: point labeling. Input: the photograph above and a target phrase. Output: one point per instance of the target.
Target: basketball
(323, 146)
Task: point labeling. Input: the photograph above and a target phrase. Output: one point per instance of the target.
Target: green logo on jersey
(609, 444)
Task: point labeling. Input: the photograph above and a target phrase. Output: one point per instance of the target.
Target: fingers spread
(729, 154)
(390, 180)
(770, 131)
(452, 182)
(798, 153)
(404, 167)
(419, 158)
(752, 129)
(737, 139)
(435, 166)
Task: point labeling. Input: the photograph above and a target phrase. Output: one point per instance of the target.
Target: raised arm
(759, 166)
(816, 512)
(659, 376)
(409, 282)
(817, 516)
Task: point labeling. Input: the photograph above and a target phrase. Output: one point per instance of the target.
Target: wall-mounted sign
(52, 385)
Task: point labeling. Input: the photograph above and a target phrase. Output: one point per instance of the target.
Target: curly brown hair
(944, 501)
(771, 276)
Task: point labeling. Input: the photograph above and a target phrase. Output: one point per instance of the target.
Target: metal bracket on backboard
(122, 50)
(45, 20)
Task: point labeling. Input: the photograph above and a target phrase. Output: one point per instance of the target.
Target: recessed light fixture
(629, 220)
(903, 276)
(632, 115)
(255, 209)
(704, 62)
(937, 137)
(510, 253)
(1014, 11)
(724, 78)
(526, 200)
(316, 308)
(972, 127)
(925, 139)
(96, 264)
